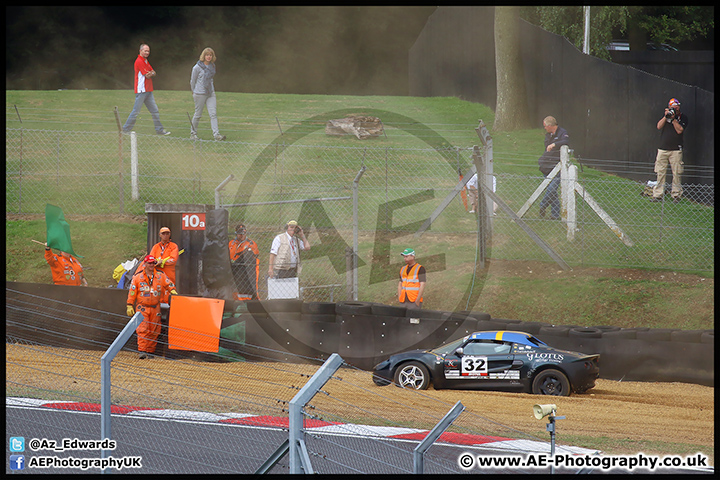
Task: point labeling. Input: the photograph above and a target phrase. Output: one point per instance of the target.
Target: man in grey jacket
(203, 91)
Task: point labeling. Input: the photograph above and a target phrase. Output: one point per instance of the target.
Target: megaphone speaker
(541, 411)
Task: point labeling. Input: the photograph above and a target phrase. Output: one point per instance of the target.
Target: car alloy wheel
(551, 382)
(412, 375)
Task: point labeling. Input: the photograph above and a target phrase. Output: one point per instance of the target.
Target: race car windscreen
(448, 347)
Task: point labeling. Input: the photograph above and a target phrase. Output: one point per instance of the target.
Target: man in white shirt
(285, 252)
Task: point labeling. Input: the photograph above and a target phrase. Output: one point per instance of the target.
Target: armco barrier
(281, 328)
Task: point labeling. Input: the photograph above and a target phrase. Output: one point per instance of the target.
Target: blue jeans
(148, 99)
(551, 197)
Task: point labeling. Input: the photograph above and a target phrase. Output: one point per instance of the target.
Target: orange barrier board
(194, 323)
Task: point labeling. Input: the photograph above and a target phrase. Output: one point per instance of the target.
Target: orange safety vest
(167, 250)
(410, 283)
(237, 249)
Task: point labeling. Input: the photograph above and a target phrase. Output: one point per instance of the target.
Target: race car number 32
(474, 366)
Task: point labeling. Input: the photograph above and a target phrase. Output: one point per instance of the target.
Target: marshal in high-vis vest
(412, 281)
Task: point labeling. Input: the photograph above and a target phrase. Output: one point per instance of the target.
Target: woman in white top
(203, 91)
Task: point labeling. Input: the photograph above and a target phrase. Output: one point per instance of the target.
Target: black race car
(496, 360)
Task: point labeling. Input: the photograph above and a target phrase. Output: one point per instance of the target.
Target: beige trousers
(675, 159)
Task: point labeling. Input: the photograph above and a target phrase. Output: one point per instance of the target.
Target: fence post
(356, 184)
(481, 213)
(105, 383)
(349, 273)
(566, 188)
(434, 434)
(571, 211)
(218, 202)
(120, 162)
(21, 161)
(57, 155)
(299, 459)
(134, 166)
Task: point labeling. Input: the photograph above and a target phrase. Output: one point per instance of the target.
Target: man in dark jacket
(555, 137)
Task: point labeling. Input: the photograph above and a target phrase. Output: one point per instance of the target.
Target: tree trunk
(637, 36)
(511, 111)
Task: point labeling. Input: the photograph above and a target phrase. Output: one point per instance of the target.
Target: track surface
(626, 414)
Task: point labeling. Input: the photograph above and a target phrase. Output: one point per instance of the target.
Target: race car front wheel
(551, 382)
(412, 375)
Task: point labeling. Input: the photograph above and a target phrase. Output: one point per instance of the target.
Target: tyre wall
(365, 333)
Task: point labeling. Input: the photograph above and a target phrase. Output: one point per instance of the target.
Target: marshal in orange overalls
(146, 293)
(66, 270)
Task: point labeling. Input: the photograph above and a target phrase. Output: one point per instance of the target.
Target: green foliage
(105, 242)
(283, 49)
(568, 21)
(665, 24)
(660, 24)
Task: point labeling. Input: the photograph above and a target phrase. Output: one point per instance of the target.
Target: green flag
(58, 230)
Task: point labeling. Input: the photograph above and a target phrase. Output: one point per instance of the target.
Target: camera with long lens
(670, 113)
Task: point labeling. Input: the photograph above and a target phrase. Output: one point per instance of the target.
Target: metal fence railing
(211, 415)
(91, 173)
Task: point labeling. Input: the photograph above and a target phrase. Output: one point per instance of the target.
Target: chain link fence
(397, 190)
(200, 413)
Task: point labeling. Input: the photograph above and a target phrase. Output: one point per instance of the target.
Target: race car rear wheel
(551, 382)
(412, 375)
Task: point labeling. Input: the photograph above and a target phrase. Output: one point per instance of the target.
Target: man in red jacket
(144, 74)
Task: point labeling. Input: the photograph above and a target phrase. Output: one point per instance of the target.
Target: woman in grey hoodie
(203, 91)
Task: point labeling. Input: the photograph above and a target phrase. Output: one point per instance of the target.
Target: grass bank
(529, 291)
(510, 288)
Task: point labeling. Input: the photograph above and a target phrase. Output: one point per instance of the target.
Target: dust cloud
(301, 50)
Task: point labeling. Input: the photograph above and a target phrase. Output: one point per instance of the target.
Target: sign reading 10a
(193, 221)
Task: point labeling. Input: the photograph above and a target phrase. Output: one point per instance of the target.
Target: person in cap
(672, 126)
(412, 281)
(245, 264)
(285, 252)
(146, 292)
(166, 253)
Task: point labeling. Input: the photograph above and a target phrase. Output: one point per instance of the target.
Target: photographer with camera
(285, 252)
(671, 126)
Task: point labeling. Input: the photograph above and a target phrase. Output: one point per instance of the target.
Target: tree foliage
(568, 21)
(334, 50)
(675, 24)
(659, 24)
